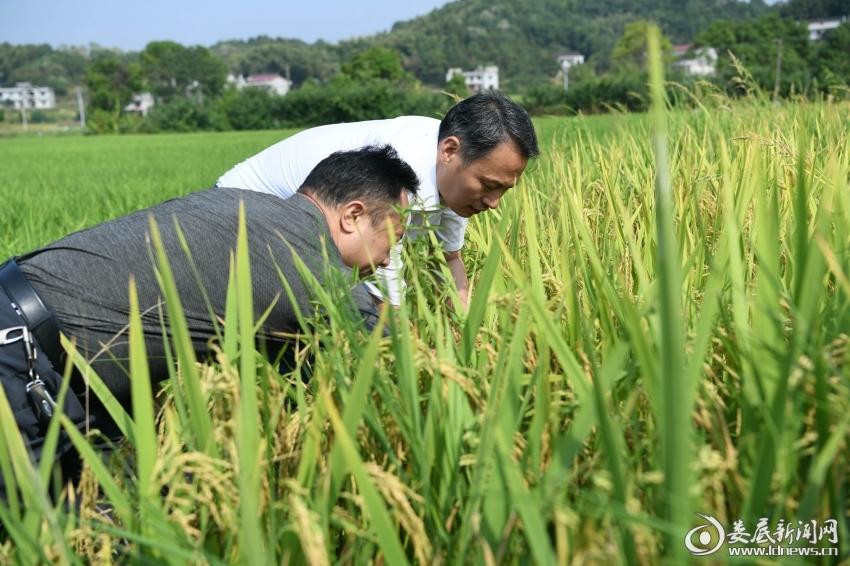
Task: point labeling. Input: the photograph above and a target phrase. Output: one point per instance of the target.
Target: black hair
(485, 120)
(375, 174)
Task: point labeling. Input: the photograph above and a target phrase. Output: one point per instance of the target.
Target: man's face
(470, 188)
(369, 240)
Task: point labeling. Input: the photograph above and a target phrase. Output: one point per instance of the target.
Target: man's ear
(449, 149)
(352, 214)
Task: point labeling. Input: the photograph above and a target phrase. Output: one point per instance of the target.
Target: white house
(701, 61)
(570, 59)
(819, 27)
(272, 82)
(566, 61)
(482, 78)
(24, 95)
(142, 103)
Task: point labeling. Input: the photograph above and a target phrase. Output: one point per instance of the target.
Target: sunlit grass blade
(252, 546)
(144, 427)
(819, 469)
(183, 348)
(676, 418)
(485, 455)
(355, 403)
(380, 519)
(612, 443)
(35, 506)
(24, 543)
(481, 296)
(51, 439)
(114, 493)
(230, 343)
(528, 509)
(114, 407)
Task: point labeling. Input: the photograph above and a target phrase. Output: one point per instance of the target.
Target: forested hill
(814, 9)
(522, 37)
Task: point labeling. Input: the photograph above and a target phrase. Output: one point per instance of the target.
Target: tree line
(403, 70)
(189, 86)
(771, 54)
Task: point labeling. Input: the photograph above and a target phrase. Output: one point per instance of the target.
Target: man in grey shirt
(344, 210)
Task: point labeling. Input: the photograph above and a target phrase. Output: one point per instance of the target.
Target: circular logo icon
(698, 539)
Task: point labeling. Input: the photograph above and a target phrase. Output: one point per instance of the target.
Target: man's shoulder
(226, 201)
(418, 123)
(408, 128)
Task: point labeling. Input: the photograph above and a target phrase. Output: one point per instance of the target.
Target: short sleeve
(451, 231)
(390, 278)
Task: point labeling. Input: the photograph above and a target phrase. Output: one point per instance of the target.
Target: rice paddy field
(658, 328)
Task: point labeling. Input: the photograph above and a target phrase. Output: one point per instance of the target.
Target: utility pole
(24, 113)
(778, 69)
(81, 107)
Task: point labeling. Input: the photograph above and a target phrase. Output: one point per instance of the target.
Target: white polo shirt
(283, 167)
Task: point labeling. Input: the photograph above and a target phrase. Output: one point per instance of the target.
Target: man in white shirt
(465, 164)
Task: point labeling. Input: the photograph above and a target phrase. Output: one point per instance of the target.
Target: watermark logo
(711, 531)
(803, 538)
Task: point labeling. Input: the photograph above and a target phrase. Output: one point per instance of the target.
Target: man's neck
(437, 175)
(329, 216)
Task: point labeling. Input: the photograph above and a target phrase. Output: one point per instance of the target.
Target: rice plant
(658, 327)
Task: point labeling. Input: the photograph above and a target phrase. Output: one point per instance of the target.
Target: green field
(56, 185)
(659, 327)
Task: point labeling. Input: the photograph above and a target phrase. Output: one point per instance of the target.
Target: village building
(571, 59)
(819, 27)
(695, 61)
(272, 82)
(141, 103)
(567, 61)
(25, 95)
(481, 79)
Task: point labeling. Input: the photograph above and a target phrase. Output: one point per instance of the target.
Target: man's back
(281, 168)
(83, 278)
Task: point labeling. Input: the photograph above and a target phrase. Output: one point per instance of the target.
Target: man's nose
(491, 201)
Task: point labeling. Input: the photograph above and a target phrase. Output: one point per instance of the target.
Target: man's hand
(458, 270)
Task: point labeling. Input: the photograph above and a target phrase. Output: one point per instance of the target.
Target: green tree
(294, 58)
(249, 109)
(183, 114)
(630, 50)
(110, 84)
(42, 65)
(457, 86)
(756, 45)
(813, 9)
(171, 69)
(832, 56)
(377, 62)
(522, 37)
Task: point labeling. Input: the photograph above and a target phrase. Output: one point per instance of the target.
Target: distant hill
(814, 9)
(522, 37)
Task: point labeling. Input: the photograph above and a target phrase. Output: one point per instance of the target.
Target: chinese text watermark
(801, 538)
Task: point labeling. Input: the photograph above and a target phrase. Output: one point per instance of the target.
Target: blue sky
(131, 25)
